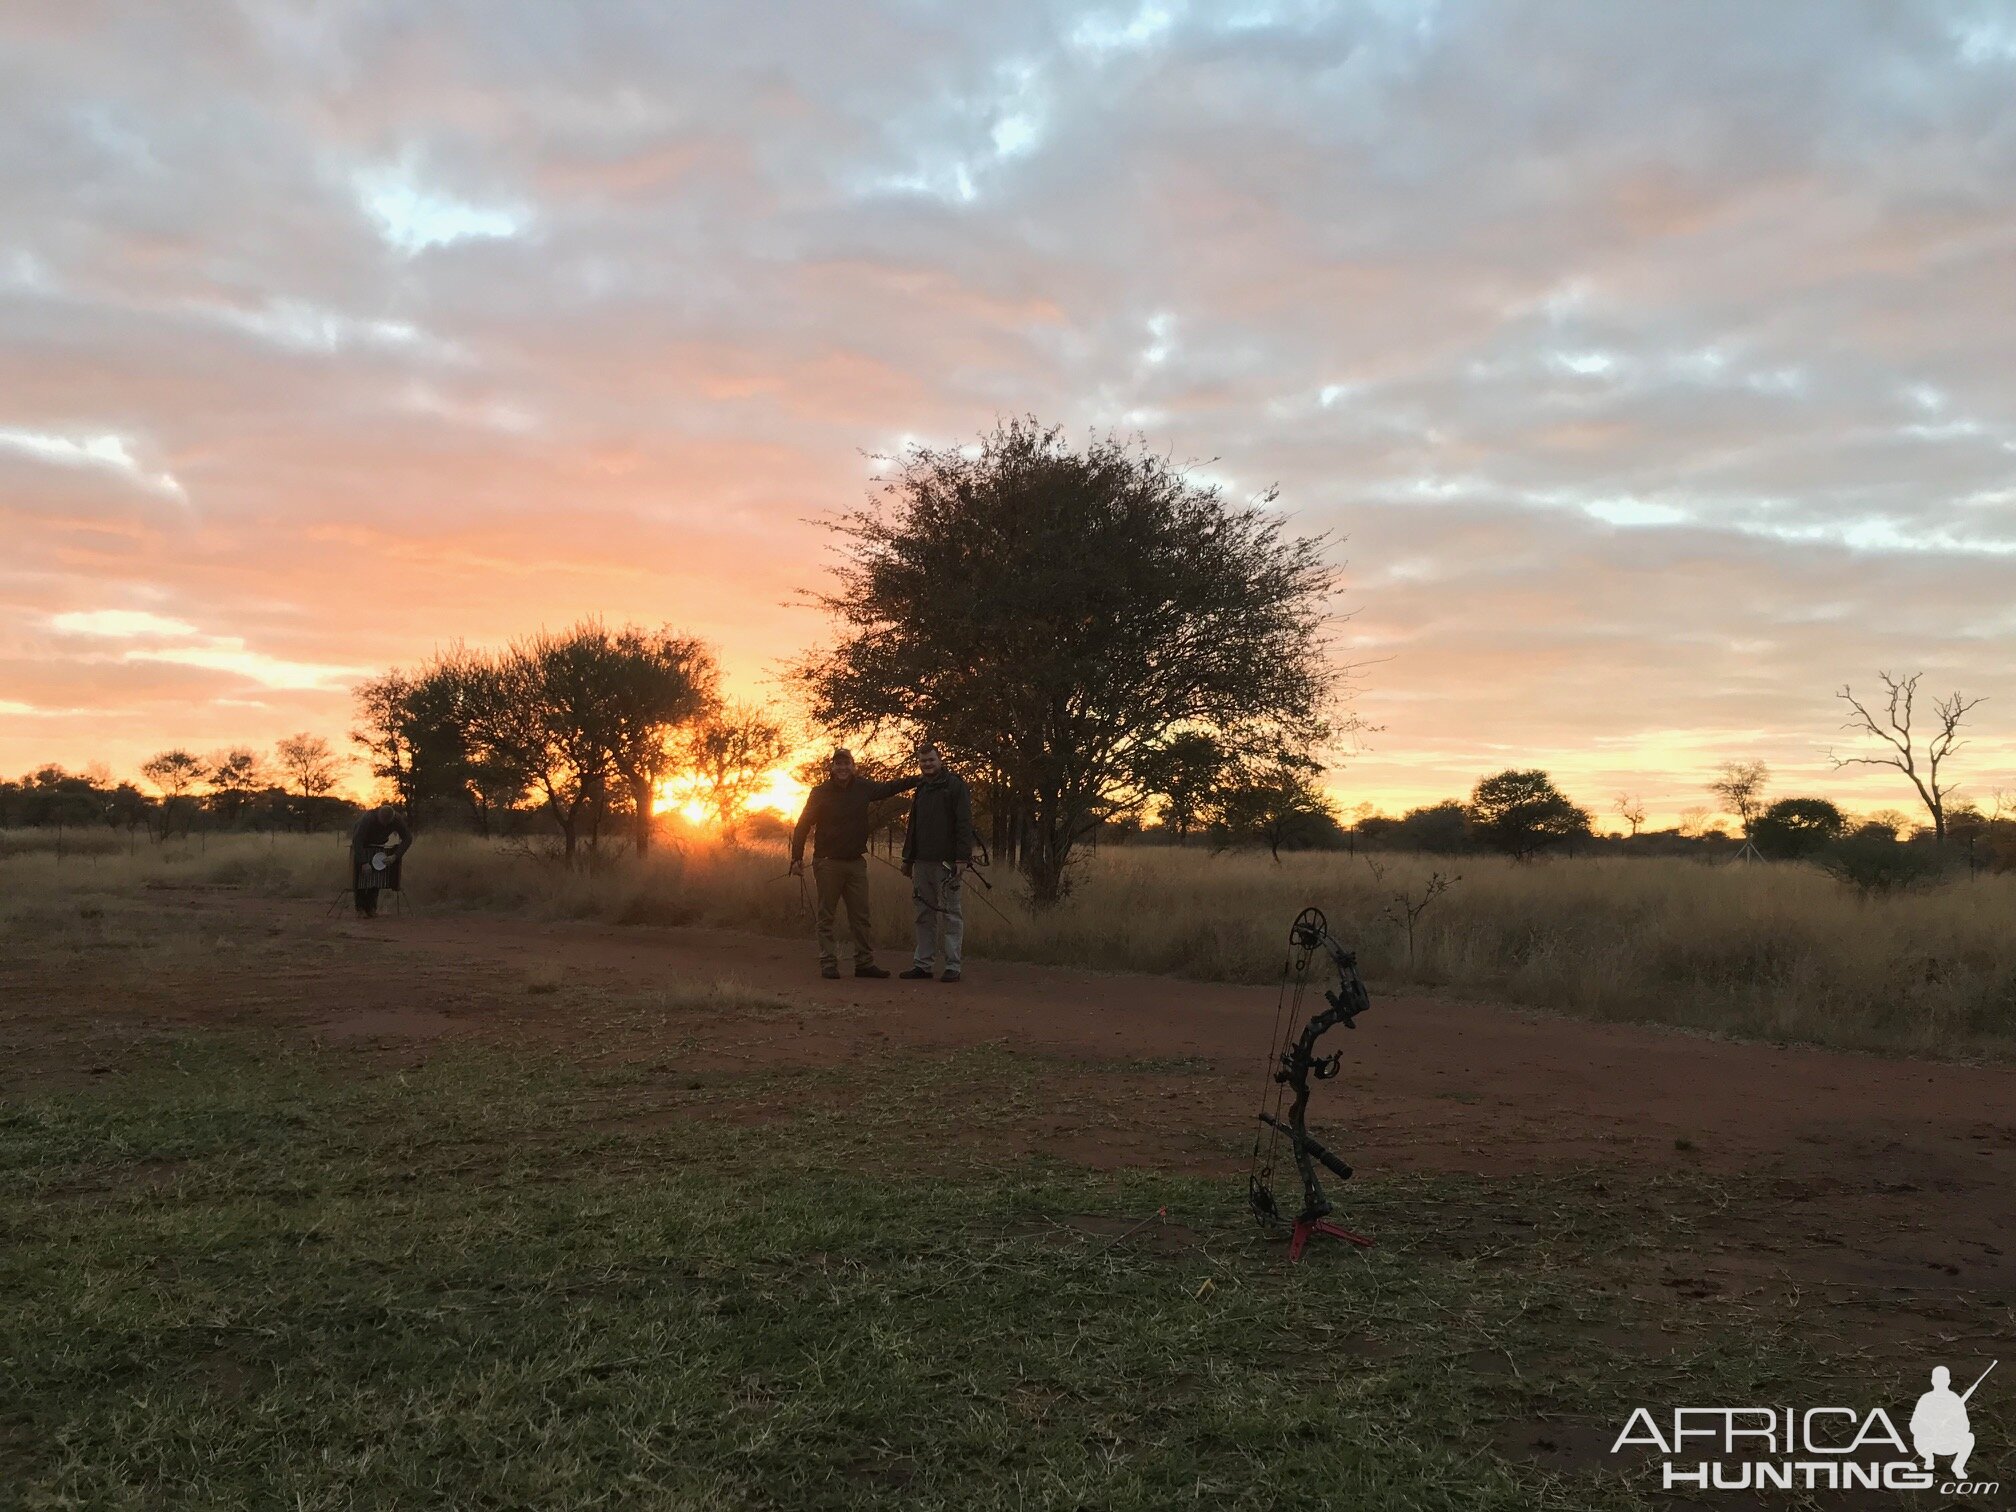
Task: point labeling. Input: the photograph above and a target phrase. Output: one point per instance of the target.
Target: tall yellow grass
(1767, 950)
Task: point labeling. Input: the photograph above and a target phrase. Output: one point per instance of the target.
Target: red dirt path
(1891, 1176)
(1438, 1084)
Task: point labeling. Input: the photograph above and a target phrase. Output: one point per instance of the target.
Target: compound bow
(1291, 1067)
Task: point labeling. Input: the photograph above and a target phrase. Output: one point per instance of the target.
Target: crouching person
(937, 844)
(379, 841)
(837, 816)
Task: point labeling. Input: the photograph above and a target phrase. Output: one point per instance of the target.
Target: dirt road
(1893, 1176)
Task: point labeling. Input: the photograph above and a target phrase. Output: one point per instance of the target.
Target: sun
(778, 792)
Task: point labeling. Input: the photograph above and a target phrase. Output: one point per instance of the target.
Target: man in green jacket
(838, 815)
(937, 844)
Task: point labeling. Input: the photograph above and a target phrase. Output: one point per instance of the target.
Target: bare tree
(1694, 821)
(1916, 754)
(1631, 809)
(309, 763)
(1741, 789)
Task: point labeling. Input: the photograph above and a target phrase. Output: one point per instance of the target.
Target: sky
(1651, 367)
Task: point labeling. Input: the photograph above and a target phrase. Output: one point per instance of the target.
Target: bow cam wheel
(1309, 930)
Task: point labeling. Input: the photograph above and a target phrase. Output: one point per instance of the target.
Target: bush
(1793, 829)
(1441, 829)
(1522, 813)
(1872, 860)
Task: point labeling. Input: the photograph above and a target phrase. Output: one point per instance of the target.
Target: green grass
(244, 1276)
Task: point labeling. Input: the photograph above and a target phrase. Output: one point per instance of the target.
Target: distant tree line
(289, 788)
(1523, 815)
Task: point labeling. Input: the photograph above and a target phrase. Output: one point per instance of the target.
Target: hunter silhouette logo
(1829, 1448)
(1939, 1422)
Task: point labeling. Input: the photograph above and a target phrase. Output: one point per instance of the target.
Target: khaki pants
(935, 889)
(844, 882)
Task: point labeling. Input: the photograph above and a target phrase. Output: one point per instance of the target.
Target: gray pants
(935, 889)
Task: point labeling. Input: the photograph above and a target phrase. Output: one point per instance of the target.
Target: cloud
(119, 624)
(1648, 365)
(413, 218)
(179, 643)
(105, 452)
(230, 654)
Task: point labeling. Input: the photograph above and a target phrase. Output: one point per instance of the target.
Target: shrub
(1872, 861)
(1793, 829)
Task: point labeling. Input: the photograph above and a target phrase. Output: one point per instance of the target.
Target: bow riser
(1298, 1063)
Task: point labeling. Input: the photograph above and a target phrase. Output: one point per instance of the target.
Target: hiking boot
(871, 971)
(950, 976)
(915, 974)
(831, 973)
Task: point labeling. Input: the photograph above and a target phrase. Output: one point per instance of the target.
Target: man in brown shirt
(839, 816)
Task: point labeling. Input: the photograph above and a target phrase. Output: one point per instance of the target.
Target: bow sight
(1291, 1068)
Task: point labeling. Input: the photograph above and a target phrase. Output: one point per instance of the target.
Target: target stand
(379, 874)
(1320, 1228)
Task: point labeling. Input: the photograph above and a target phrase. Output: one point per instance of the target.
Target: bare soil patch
(1895, 1180)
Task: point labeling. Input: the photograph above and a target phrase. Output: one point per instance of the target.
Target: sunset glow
(781, 794)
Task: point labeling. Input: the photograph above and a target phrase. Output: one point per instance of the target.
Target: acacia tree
(584, 719)
(1049, 615)
(1190, 770)
(175, 774)
(409, 736)
(60, 799)
(127, 808)
(731, 755)
(1741, 789)
(307, 761)
(1917, 754)
(234, 776)
(526, 712)
(1631, 809)
(455, 762)
(1796, 828)
(1275, 802)
(1441, 828)
(1522, 813)
(654, 684)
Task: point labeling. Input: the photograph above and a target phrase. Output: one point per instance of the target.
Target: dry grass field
(1765, 950)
